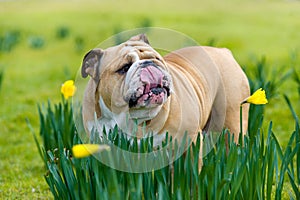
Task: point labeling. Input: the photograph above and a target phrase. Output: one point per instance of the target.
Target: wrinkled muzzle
(148, 85)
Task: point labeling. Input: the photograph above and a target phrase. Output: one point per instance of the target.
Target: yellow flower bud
(84, 150)
(258, 97)
(68, 89)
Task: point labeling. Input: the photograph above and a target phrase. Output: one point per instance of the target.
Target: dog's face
(130, 76)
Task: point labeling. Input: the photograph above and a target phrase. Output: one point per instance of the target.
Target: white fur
(109, 119)
(106, 119)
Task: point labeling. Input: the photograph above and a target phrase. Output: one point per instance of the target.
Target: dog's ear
(140, 37)
(91, 64)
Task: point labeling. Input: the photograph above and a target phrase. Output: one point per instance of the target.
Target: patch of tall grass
(9, 40)
(259, 169)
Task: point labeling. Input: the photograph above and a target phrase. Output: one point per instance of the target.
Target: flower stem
(241, 125)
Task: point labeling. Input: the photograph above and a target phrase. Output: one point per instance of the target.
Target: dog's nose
(147, 63)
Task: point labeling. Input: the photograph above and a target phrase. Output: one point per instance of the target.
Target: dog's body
(193, 89)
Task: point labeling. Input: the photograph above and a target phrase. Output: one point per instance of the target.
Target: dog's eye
(124, 68)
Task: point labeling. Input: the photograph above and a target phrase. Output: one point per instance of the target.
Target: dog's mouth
(156, 95)
(155, 87)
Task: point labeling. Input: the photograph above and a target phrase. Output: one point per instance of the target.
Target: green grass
(32, 76)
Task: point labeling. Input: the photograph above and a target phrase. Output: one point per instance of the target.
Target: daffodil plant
(258, 98)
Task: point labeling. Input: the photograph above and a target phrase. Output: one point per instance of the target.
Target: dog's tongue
(152, 77)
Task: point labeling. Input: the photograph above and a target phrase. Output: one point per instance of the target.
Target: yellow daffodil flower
(84, 150)
(258, 97)
(68, 89)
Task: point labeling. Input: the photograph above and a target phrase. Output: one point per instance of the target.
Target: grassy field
(51, 37)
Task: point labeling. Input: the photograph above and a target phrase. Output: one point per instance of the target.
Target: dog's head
(131, 75)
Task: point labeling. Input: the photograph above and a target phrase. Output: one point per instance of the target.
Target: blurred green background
(42, 44)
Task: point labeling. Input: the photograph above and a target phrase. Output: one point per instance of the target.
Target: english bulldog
(190, 90)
